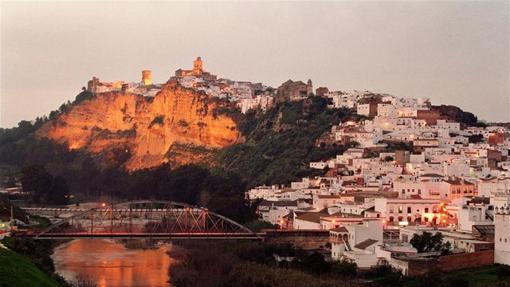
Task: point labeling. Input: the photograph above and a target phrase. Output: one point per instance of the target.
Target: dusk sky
(453, 52)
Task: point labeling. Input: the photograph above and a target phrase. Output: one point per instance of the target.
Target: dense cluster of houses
(410, 171)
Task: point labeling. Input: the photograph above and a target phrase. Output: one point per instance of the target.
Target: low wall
(452, 262)
(306, 239)
(466, 260)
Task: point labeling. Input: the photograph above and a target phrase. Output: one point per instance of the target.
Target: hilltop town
(409, 169)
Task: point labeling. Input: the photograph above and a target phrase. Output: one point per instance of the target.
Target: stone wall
(306, 239)
(452, 262)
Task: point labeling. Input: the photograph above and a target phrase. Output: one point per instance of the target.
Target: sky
(453, 52)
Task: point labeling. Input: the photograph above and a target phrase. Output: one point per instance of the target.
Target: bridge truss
(147, 219)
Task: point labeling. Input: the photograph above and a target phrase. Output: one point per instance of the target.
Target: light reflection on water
(109, 264)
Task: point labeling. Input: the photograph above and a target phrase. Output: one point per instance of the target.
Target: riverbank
(210, 264)
(17, 270)
(37, 254)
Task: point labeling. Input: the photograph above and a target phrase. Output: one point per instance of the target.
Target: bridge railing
(146, 218)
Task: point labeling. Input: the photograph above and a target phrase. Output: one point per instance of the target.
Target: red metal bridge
(139, 219)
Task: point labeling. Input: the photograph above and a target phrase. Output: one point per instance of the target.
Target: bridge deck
(222, 236)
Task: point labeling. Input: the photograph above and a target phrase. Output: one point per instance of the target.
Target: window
(400, 209)
(426, 210)
(409, 209)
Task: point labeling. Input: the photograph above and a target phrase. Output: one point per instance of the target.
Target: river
(110, 264)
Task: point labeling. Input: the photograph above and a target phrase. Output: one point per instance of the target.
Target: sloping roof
(278, 203)
(458, 182)
(311, 216)
(431, 175)
(484, 200)
(339, 229)
(364, 244)
(485, 230)
(324, 196)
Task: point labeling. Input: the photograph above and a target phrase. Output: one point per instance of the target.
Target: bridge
(138, 219)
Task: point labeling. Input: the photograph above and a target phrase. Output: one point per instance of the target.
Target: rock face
(178, 125)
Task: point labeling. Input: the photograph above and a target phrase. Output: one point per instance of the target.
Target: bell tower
(197, 66)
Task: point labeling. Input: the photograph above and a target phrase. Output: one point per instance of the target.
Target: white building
(404, 211)
(502, 237)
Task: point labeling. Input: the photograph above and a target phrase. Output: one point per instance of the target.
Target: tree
(37, 181)
(83, 96)
(427, 242)
(315, 263)
(344, 268)
(59, 191)
(43, 187)
(478, 138)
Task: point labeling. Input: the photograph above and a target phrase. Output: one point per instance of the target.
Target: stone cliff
(178, 126)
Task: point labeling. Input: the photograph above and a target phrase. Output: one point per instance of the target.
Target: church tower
(309, 87)
(197, 66)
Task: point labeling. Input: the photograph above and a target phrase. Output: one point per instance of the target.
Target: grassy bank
(493, 275)
(211, 264)
(16, 270)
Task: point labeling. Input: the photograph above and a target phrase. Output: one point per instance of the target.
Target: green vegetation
(253, 264)
(458, 115)
(476, 138)
(282, 141)
(253, 274)
(5, 210)
(158, 120)
(44, 187)
(426, 242)
(493, 275)
(83, 96)
(16, 270)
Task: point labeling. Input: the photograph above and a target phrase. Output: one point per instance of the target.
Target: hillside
(177, 126)
(281, 142)
(16, 270)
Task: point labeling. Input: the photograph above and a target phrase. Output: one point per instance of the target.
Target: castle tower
(197, 66)
(309, 87)
(147, 77)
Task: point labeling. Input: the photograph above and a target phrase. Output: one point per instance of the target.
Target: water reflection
(109, 263)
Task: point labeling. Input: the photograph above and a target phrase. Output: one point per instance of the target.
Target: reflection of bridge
(139, 219)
